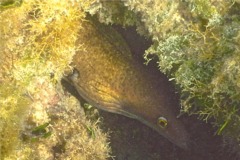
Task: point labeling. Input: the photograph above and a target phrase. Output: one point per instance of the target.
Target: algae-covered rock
(37, 120)
(57, 128)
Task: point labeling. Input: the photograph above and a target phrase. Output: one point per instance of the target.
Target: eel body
(107, 76)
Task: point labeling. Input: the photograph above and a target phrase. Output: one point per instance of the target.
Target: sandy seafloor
(132, 140)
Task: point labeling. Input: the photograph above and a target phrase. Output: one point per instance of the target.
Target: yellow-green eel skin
(107, 76)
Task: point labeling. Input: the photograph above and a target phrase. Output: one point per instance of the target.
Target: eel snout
(167, 124)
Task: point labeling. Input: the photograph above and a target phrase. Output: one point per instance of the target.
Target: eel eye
(162, 122)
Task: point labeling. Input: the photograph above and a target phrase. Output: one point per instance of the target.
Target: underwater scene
(119, 80)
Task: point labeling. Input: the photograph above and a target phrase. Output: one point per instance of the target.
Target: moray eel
(107, 76)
